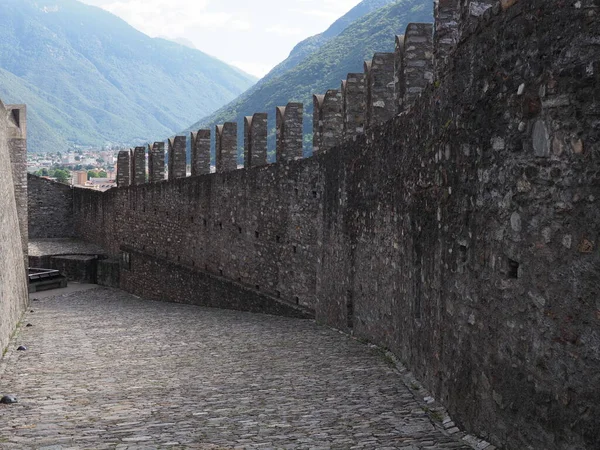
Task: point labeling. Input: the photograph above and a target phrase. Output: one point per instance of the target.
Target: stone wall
(255, 227)
(50, 207)
(13, 280)
(17, 146)
(462, 234)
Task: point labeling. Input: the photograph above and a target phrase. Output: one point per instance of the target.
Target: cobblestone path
(105, 370)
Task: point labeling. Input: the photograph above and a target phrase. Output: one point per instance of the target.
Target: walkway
(106, 370)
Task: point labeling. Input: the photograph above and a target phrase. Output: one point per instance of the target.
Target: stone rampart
(16, 130)
(462, 234)
(13, 198)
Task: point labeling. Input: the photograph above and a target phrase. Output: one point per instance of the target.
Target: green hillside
(314, 43)
(326, 67)
(89, 79)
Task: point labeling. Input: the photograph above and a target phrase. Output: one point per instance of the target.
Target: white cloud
(283, 30)
(253, 68)
(173, 17)
(329, 15)
(255, 35)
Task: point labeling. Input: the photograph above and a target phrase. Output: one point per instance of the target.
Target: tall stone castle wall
(462, 234)
(13, 197)
(50, 207)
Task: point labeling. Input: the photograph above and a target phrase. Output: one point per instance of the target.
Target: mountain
(314, 43)
(325, 67)
(89, 79)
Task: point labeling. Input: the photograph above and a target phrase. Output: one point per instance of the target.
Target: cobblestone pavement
(104, 369)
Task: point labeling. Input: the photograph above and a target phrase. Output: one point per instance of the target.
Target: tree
(62, 176)
(42, 172)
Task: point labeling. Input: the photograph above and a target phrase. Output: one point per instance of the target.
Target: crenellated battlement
(389, 84)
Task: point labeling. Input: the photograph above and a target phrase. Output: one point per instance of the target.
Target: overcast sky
(252, 35)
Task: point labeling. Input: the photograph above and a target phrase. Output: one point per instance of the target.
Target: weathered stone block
(354, 105)
(156, 162)
(327, 120)
(226, 147)
(255, 140)
(289, 131)
(380, 87)
(200, 152)
(124, 168)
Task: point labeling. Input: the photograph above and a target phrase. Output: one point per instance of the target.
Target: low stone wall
(155, 278)
(109, 273)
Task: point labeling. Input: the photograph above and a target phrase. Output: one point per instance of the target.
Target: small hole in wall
(349, 309)
(144, 208)
(257, 287)
(513, 268)
(256, 234)
(240, 230)
(204, 222)
(315, 194)
(297, 300)
(295, 249)
(221, 225)
(462, 251)
(206, 267)
(167, 214)
(277, 239)
(296, 192)
(167, 255)
(221, 272)
(193, 263)
(192, 219)
(179, 259)
(278, 294)
(239, 279)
